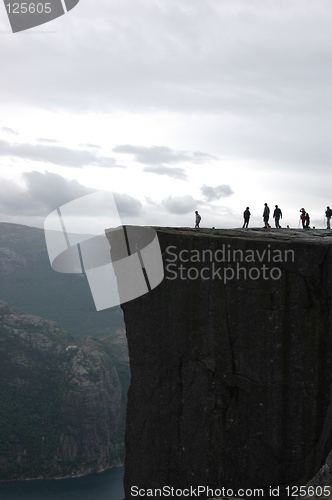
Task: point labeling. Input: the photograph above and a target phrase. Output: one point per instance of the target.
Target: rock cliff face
(230, 361)
(62, 404)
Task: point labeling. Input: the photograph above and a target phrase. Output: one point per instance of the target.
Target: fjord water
(106, 485)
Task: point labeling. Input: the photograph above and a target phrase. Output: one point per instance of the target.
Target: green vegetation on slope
(63, 401)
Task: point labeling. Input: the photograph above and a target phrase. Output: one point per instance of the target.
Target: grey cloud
(215, 193)
(198, 157)
(57, 155)
(47, 191)
(52, 190)
(156, 155)
(155, 158)
(43, 194)
(262, 68)
(175, 172)
(46, 141)
(9, 130)
(90, 146)
(215, 56)
(150, 201)
(180, 204)
(127, 205)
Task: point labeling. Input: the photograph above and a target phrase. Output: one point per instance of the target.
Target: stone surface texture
(231, 381)
(61, 401)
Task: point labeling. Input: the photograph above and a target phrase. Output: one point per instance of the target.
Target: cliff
(62, 403)
(230, 361)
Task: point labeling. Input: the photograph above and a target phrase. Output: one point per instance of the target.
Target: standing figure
(266, 215)
(302, 217)
(246, 216)
(328, 215)
(307, 221)
(198, 219)
(277, 215)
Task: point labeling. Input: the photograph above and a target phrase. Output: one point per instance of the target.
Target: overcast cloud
(57, 155)
(175, 172)
(237, 57)
(156, 155)
(180, 204)
(43, 194)
(215, 193)
(46, 192)
(8, 130)
(46, 141)
(185, 94)
(127, 205)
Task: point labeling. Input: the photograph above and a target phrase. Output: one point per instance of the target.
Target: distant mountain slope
(63, 400)
(28, 282)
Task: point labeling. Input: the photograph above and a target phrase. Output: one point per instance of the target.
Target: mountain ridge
(28, 282)
(63, 404)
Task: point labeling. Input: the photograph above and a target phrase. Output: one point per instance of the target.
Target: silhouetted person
(302, 217)
(277, 215)
(307, 221)
(266, 215)
(328, 215)
(246, 216)
(198, 219)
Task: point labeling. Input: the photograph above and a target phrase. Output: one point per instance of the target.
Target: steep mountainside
(62, 403)
(27, 281)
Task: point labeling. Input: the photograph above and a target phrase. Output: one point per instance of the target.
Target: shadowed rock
(231, 376)
(62, 404)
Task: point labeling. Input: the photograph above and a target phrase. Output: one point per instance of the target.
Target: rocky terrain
(62, 401)
(231, 369)
(28, 282)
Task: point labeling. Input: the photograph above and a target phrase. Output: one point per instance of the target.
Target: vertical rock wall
(231, 378)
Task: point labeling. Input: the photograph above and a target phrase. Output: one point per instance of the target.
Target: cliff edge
(230, 361)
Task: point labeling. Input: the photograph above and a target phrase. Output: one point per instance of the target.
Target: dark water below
(107, 485)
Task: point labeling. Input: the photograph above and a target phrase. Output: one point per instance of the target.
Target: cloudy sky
(173, 105)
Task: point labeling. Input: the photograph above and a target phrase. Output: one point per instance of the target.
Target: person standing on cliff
(307, 221)
(328, 215)
(266, 215)
(277, 215)
(302, 217)
(246, 216)
(198, 219)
